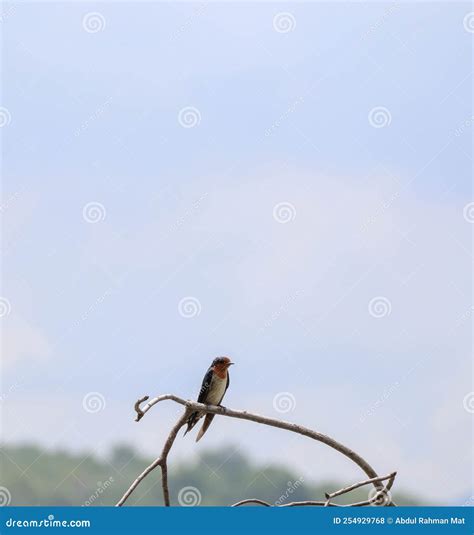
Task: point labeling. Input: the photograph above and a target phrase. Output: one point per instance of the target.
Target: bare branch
(327, 503)
(161, 461)
(191, 406)
(252, 500)
(310, 502)
(345, 490)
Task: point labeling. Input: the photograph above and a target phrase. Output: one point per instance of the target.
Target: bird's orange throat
(220, 371)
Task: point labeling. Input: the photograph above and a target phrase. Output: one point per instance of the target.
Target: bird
(214, 386)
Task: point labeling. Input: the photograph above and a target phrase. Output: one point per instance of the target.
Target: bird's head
(221, 364)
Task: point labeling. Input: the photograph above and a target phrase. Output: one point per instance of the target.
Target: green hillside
(38, 477)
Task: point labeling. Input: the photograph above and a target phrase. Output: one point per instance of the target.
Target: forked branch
(381, 492)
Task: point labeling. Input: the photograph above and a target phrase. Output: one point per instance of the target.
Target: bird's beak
(230, 364)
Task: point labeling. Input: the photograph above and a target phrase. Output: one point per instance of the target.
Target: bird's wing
(206, 385)
(228, 381)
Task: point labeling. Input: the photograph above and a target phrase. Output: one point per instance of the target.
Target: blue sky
(280, 117)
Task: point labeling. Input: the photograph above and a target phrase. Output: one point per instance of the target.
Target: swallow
(214, 386)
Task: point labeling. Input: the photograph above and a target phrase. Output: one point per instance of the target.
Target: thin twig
(252, 500)
(360, 484)
(161, 461)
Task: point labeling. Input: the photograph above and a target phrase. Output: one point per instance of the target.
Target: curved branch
(252, 500)
(243, 415)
